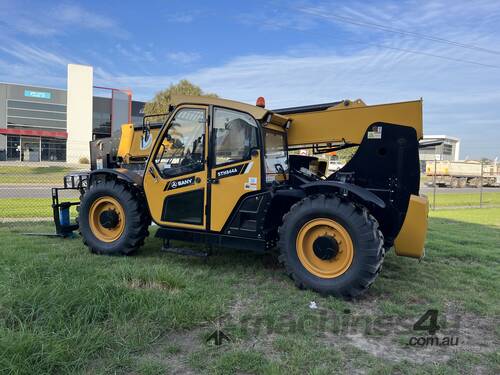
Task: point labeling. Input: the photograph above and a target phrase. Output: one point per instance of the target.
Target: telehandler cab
(224, 173)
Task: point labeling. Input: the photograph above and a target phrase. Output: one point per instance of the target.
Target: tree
(160, 102)
(346, 154)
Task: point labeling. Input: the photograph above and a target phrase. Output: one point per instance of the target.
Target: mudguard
(121, 173)
(363, 194)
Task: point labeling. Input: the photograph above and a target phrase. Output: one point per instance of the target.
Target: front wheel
(113, 218)
(331, 246)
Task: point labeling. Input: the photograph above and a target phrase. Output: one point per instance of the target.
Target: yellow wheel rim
(339, 254)
(107, 230)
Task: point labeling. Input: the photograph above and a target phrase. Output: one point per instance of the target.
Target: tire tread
(371, 238)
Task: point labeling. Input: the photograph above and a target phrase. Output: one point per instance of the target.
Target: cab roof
(257, 112)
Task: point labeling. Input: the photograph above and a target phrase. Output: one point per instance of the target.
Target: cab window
(276, 155)
(182, 147)
(235, 135)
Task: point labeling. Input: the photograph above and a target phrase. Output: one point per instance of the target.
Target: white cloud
(275, 20)
(135, 53)
(181, 57)
(32, 55)
(181, 17)
(55, 20)
(188, 16)
(31, 75)
(75, 15)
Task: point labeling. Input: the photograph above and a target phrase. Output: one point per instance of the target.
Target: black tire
(367, 241)
(137, 219)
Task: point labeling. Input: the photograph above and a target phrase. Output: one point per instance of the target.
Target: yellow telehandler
(225, 173)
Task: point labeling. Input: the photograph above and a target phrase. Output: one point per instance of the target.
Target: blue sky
(291, 52)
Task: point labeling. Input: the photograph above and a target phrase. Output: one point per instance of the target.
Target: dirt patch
(238, 307)
(174, 348)
(361, 326)
(184, 342)
(389, 337)
(394, 339)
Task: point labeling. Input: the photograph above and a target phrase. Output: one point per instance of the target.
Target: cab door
(175, 179)
(235, 162)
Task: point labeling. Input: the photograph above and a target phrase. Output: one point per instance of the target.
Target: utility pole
(481, 185)
(434, 185)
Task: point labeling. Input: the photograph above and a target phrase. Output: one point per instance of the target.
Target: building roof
(34, 86)
(441, 136)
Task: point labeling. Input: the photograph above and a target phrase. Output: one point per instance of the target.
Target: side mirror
(254, 152)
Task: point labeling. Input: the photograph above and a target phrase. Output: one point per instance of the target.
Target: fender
(324, 186)
(121, 173)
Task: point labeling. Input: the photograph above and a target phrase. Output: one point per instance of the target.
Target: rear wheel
(113, 218)
(331, 246)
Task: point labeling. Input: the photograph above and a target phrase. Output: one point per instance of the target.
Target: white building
(448, 150)
(55, 125)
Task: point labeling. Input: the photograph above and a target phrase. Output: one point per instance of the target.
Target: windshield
(182, 150)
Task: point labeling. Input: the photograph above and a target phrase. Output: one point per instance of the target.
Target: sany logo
(180, 183)
(187, 181)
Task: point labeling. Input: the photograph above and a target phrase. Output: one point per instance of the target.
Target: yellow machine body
(224, 173)
(349, 123)
(133, 144)
(344, 123)
(411, 238)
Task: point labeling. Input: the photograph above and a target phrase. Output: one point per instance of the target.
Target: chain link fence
(25, 192)
(462, 184)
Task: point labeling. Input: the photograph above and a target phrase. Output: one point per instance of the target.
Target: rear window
(276, 153)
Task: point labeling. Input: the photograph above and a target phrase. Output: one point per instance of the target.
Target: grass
(25, 207)
(464, 199)
(11, 169)
(28, 208)
(63, 310)
(33, 175)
